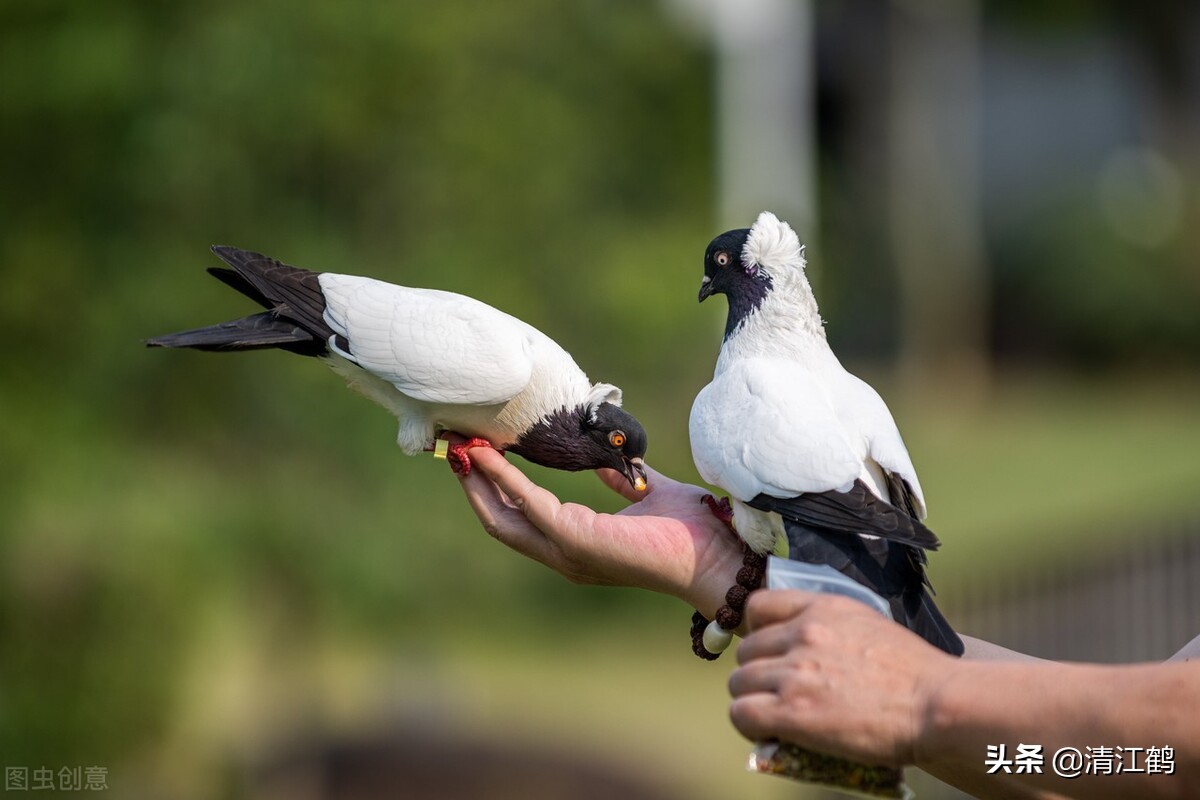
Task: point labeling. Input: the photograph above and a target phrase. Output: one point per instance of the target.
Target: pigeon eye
(616, 438)
(722, 259)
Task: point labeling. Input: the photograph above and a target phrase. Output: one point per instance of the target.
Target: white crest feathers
(602, 393)
(773, 246)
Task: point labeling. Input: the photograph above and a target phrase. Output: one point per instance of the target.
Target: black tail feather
(295, 316)
(892, 570)
(234, 280)
(927, 621)
(291, 292)
(257, 332)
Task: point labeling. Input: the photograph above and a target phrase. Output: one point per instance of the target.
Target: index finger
(776, 605)
(539, 505)
(502, 520)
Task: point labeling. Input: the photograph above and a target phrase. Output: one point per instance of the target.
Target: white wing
(860, 406)
(434, 346)
(767, 426)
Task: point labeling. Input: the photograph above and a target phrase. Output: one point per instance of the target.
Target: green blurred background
(220, 576)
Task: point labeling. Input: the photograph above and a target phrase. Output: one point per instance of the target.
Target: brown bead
(728, 619)
(735, 598)
(750, 577)
(729, 616)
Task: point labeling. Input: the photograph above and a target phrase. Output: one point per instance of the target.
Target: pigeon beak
(635, 473)
(706, 288)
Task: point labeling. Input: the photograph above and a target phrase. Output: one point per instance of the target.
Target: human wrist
(942, 692)
(714, 576)
(711, 637)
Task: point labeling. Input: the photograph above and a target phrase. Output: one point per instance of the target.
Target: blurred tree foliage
(1071, 286)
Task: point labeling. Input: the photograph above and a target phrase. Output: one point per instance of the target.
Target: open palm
(666, 540)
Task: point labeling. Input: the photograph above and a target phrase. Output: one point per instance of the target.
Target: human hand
(830, 674)
(667, 540)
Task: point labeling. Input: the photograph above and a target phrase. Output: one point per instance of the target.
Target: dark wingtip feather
(855, 511)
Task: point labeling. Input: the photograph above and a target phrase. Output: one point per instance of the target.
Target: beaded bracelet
(710, 638)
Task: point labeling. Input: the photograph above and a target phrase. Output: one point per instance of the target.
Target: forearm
(1063, 706)
(983, 650)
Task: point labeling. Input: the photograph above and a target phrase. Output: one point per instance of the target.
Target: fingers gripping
(539, 505)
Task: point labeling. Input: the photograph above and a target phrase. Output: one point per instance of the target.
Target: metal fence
(1139, 601)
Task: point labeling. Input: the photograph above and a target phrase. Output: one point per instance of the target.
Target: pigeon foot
(721, 509)
(456, 454)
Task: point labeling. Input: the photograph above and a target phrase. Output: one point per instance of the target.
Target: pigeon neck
(744, 303)
(554, 441)
(787, 314)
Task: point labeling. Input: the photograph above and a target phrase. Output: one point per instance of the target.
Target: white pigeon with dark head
(806, 450)
(439, 361)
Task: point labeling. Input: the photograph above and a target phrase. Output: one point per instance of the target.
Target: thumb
(620, 484)
(777, 605)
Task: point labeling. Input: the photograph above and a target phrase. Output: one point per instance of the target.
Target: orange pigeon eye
(616, 438)
(722, 259)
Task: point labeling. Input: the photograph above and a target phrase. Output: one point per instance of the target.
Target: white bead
(716, 639)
